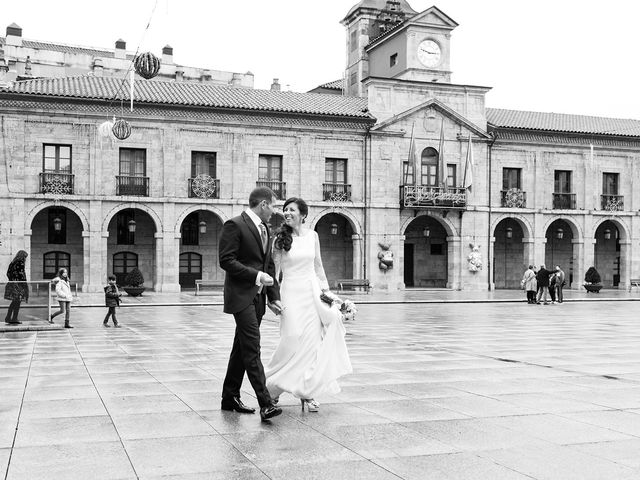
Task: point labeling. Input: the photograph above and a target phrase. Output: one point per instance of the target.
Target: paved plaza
(439, 391)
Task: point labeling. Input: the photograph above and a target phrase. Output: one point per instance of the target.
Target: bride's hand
(276, 307)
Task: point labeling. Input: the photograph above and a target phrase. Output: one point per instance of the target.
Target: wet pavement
(439, 391)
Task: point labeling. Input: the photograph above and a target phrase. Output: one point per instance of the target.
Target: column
(583, 258)
(528, 253)
(103, 253)
(454, 261)
(159, 262)
(357, 255)
(625, 263)
(491, 259)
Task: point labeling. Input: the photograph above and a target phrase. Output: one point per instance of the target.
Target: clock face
(429, 53)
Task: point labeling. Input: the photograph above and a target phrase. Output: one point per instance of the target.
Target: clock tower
(395, 42)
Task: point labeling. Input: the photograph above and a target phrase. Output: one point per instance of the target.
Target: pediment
(434, 17)
(422, 113)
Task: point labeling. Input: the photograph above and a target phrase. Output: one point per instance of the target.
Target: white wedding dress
(312, 353)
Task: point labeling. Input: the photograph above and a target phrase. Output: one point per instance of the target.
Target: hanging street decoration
(105, 128)
(147, 65)
(121, 129)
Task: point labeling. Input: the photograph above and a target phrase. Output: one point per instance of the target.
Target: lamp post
(57, 224)
(559, 234)
(334, 229)
(203, 227)
(426, 233)
(131, 225)
(509, 232)
(607, 234)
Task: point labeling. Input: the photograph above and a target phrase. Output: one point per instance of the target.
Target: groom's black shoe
(269, 412)
(234, 403)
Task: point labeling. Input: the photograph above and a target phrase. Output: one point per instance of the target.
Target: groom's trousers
(245, 354)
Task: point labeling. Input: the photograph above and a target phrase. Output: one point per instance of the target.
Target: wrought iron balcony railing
(336, 192)
(423, 196)
(613, 203)
(513, 198)
(130, 185)
(279, 188)
(564, 201)
(204, 186)
(56, 182)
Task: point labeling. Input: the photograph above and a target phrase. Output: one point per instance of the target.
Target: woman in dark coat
(16, 291)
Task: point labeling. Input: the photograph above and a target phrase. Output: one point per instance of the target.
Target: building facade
(396, 161)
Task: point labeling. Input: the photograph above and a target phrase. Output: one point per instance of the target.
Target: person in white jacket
(63, 296)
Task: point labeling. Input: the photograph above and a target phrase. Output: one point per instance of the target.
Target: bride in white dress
(312, 352)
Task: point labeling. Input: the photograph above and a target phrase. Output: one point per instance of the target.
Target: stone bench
(353, 284)
(208, 284)
(634, 282)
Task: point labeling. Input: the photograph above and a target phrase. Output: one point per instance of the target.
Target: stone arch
(524, 223)
(31, 215)
(136, 206)
(194, 208)
(623, 228)
(576, 230)
(351, 218)
(449, 227)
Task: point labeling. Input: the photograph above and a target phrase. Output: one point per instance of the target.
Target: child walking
(111, 300)
(63, 295)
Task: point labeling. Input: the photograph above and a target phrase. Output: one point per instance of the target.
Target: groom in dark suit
(245, 256)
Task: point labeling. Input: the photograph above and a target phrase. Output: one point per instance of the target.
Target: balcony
(612, 203)
(57, 183)
(423, 196)
(203, 186)
(564, 201)
(513, 198)
(279, 188)
(130, 185)
(336, 192)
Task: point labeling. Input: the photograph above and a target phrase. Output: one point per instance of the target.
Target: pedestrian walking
(543, 284)
(63, 295)
(16, 289)
(560, 283)
(112, 300)
(530, 284)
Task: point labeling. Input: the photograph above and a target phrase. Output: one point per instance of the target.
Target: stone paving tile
(452, 466)
(122, 405)
(60, 380)
(72, 407)
(60, 392)
(185, 455)
(161, 425)
(620, 398)
(337, 470)
(54, 431)
(547, 402)
(557, 429)
(623, 452)
(480, 406)
(246, 473)
(411, 410)
(81, 461)
(617, 420)
(559, 463)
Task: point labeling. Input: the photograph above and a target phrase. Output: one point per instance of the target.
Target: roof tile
(195, 94)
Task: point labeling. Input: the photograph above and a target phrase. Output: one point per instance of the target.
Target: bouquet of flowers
(347, 307)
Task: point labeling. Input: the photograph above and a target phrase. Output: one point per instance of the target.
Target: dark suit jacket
(241, 257)
(543, 277)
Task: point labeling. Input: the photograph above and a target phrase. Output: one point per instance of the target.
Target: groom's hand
(266, 279)
(276, 307)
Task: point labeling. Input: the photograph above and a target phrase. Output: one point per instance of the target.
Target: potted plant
(133, 283)
(592, 280)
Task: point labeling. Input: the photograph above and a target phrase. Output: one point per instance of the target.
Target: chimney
(167, 54)
(275, 86)
(14, 35)
(27, 66)
(98, 67)
(179, 75)
(121, 49)
(236, 80)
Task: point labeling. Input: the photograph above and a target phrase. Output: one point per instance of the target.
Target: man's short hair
(260, 193)
(111, 277)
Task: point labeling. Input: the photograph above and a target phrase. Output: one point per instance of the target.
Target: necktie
(263, 236)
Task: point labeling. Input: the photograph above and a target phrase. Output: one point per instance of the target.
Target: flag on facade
(468, 167)
(442, 167)
(411, 159)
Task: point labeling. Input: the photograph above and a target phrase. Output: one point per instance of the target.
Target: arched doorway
(559, 248)
(199, 236)
(607, 253)
(336, 243)
(56, 242)
(508, 254)
(132, 244)
(426, 254)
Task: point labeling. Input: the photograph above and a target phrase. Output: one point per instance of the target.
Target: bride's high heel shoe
(312, 405)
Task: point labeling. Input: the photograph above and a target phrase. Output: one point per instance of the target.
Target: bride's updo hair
(284, 236)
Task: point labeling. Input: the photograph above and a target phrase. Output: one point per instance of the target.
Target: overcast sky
(566, 56)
